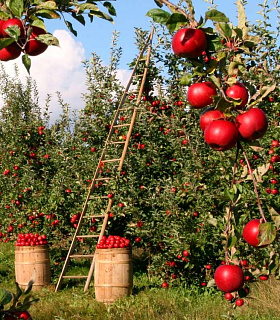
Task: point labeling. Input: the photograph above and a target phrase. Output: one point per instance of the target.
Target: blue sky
(96, 36)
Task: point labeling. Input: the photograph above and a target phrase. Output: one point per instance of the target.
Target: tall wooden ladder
(119, 122)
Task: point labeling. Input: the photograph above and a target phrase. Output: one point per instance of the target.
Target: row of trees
(173, 196)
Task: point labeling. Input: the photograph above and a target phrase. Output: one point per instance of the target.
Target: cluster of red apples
(26, 43)
(111, 242)
(221, 132)
(30, 239)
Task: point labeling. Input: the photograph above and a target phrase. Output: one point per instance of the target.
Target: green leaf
(79, 18)
(26, 62)
(5, 297)
(16, 7)
(224, 29)
(70, 27)
(215, 80)
(4, 42)
(101, 15)
(275, 216)
(47, 5)
(158, 15)
(110, 8)
(87, 6)
(232, 241)
(216, 16)
(242, 18)
(267, 233)
(186, 79)
(13, 32)
(48, 39)
(175, 21)
(238, 32)
(48, 14)
(38, 23)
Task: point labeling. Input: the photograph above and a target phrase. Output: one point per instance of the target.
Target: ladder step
(98, 197)
(102, 179)
(86, 256)
(88, 236)
(116, 142)
(139, 75)
(111, 160)
(94, 216)
(74, 277)
(121, 125)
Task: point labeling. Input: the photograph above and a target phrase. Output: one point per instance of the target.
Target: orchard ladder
(143, 60)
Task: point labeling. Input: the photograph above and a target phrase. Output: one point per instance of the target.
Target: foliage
(181, 204)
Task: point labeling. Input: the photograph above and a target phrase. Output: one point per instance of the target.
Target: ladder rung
(111, 160)
(75, 277)
(102, 179)
(89, 236)
(85, 256)
(126, 109)
(116, 142)
(94, 216)
(121, 125)
(138, 75)
(99, 197)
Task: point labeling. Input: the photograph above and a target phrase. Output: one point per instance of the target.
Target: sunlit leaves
(158, 15)
(267, 233)
(216, 16)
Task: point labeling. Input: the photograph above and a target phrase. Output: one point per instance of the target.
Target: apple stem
(192, 22)
(254, 183)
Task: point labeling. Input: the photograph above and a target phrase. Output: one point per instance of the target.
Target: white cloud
(57, 69)
(60, 69)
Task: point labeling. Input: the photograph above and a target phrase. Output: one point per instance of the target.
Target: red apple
(263, 277)
(201, 94)
(35, 47)
(10, 23)
(238, 92)
(208, 117)
(189, 42)
(252, 124)
(228, 296)
(11, 52)
(251, 232)
(229, 278)
(239, 302)
(221, 135)
(18, 315)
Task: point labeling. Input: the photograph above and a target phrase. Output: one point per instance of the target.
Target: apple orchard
(198, 195)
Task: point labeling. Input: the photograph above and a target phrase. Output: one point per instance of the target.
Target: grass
(148, 301)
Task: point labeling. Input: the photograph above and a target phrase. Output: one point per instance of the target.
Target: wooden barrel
(32, 262)
(113, 276)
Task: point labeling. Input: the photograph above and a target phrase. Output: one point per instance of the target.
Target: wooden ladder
(105, 158)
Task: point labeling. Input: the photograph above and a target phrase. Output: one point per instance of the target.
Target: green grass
(148, 301)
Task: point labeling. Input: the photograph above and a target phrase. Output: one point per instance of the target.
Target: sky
(61, 69)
